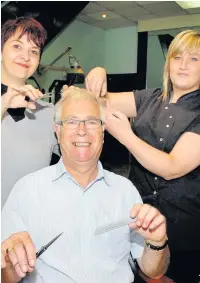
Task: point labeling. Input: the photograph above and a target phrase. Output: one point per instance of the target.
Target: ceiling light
(188, 4)
(104, 16)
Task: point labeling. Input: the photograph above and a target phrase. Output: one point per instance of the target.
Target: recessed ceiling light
(188, 4)
(104, 16)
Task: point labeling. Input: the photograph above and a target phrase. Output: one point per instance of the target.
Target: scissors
(44, 248)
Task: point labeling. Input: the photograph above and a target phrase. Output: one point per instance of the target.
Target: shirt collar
(190, 101)
(60, 171)
(189, 95)
(102, 173)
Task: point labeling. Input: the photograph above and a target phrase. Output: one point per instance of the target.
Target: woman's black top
(161, 124)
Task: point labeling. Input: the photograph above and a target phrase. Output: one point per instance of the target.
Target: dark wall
(113, 152)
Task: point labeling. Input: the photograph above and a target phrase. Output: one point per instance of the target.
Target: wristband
(157, 248)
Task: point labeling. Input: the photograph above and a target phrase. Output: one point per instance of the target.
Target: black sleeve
(194, 127)
(142, 96)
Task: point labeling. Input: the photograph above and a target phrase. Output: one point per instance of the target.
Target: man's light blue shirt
(50, 201)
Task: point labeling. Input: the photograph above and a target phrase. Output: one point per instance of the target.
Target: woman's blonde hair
(186, 41)
(76, 93)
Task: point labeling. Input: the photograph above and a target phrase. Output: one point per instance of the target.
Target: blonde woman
(165, 144)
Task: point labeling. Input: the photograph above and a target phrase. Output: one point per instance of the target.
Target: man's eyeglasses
(74, 123)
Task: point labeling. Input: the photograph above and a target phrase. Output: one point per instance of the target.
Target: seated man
(76, 197)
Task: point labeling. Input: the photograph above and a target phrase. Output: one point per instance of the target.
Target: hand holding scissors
(19, 256)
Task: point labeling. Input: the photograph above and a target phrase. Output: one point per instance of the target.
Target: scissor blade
(52, 241)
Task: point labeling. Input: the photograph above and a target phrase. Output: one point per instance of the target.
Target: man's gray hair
(76, 93)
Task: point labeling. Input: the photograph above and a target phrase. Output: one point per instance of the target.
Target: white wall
(115, 49)
(169, 23)
(87, 44)
(121, 50)
(155, 62)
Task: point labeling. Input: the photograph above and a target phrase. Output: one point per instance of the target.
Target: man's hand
(15, 97)
(149, 223)
(96, 81)
(18, 256)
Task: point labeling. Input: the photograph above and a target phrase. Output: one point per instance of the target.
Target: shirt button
(166, 107)
(155, 178)
(161, 139)
(167, 126)
(170, 117)
(154, 192)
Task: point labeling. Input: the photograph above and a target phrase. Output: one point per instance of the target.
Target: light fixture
(104, 16)
(75, 74)
(188, 4)
(44, 68)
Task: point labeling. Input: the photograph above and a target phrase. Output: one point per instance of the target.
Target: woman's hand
(117, 124)
(15, 98)
(96, 81)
